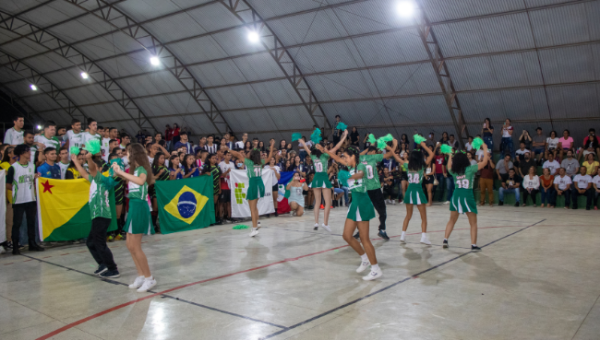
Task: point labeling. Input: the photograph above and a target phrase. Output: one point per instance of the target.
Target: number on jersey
(462, 183)
(369, 172)
(414, 178)
(319, 166)
(257, 171)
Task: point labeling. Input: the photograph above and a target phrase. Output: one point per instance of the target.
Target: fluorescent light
(253, 37)
(33, 87)
(39, 127)
(154, 61)
(84, 75)
(405, 8)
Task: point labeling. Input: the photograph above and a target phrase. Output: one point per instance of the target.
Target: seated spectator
(190, 169)
(503, 166)
(175, 169)
(520, 154)
(547, 188)
(538, 145)
(49, 169)
(486, 182)
(570, 164)
(566, 142)
(469, 144)
(531, 186)
(552, 145)
(389, 188)
(510, 185)
(551, 164)
(297, 186)
(526, 164)
(591, 144)
(590, 164)
(596, 186)
(582, 186)
(562, 185)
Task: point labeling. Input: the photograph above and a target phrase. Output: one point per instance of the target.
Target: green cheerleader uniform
(320, 179)
(256, 187)
(138, 216)
(361, 209)
(414, 193)
(463, 199)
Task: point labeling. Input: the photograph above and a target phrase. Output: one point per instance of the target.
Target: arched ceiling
(534, 61)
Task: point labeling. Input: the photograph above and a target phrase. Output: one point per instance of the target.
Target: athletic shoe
(362, 267)
(445, 244)
(219, 222)
(101, 269)
(254, 232)
(2, 251)
(383, 234)
(517, 204)
(139, 281)
(393, 202)
(118, 237)
(316, 226)
(148, 284)
(357, 235)
(322, 207)
(425, 240)
(21, 246)
(8, 245)
(447, 202)
(400, 202)
(500, 203)
(110, 238)
(475, 248)
(374, 274)
(403, 238)
(110, 274)
(326, 227)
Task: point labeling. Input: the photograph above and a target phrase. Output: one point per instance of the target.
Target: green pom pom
(296, 136)
(93, 146)
(341, 126)
(343, 177)
(74, 150)
(372, 139)
(241, 226)
(446, 149)
(477, 143)
(418, 139)
(316, 136)
(387, 138)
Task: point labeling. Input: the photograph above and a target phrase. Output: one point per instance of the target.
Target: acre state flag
(185, 204)
(63, 210)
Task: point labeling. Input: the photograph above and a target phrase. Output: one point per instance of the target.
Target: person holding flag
(256, 187)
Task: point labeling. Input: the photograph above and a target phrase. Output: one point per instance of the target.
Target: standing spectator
(337, 133)
(469, 144)
(91, 134)
(211, 147)
(228, 143)
(240, 145)
(444, 139)
(49, 169)
(562, 185)
(565, 142)
(63, 161)
(539, 144)
(552, 144)
(14, 135)
(46, 138)
(226, 167)
(551, 164)
(531, 186)
(503, 166)
(488, 134)
(211, 168)
(125, 140)
(596, 186)
(511, 184)
(582, 185)
(8, 159)
(20, 179)
(274, 184)
(506, 146)
(486, 182)
(189, 167)
(430, 142)
(302, 151)
(526, 164)
(570, 164)
(453, 142)
(591, 164)
(175, 133)
(449, 185)
(354, 137)
(73, 136)
(168, 135)
(590, 143)
(526, 139)
(140, 137)
(366, 142)
(201, 144)
(183, 143)
(547, 189)
(440, 171)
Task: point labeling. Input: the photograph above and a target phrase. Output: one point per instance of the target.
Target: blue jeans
(449, 187)
(507, 147)
(302, 153)
(489, 141)
(548, 195)
(503, 191)
(345, 189)
(440, 178)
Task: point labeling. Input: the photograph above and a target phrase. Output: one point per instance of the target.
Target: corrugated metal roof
(571, 64)
(562, 25)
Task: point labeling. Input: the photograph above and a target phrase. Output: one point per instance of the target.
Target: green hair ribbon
(477, 143)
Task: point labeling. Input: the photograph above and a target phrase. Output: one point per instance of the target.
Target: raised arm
(391, 149)
(335, 157)
(398, 159)
(341, 142)
(431, 154)
(270, 152)
(304, 146)
(486, 158)
(80, 168)
(237, 155)
(132, 178)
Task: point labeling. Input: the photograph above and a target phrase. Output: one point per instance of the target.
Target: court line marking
(392, 285)
(104, 312)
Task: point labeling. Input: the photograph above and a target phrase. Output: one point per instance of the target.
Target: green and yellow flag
(185, 204)
(63, 210)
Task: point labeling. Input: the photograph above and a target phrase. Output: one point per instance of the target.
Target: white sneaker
(393, 202)
(139, 281)
(2, 251)
(374, 274)
(326, 227)
(148, 284)
(425, 239)
(363, 266)
(254, 232)
(403, 238)
(401, 202)
(447, 202)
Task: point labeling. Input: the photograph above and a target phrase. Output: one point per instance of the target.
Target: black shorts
(428, 179)
(275, 187)
(404, 177)
(225, 196)
(119, 194)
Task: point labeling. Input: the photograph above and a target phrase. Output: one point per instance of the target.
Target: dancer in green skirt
(360, 212)
(463, 200)
(139, 222)
(256, 187)
(320, 183)
(414, 194)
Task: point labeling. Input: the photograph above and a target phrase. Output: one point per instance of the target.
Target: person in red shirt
(175, 134)
(440, 170)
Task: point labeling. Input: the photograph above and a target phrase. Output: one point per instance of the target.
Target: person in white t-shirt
(274, 185)
(596, 187)
(582, 186)
(562, 184)
(520, 153)
(47, 136)
(226, 166)
(14, 135)
(531, 186)
(104, 143)
(73, 136)
(239, 145)
(469, 144)
(92, 134)
(63, 162)
(551, 164)
(506, 145)
(552, 144)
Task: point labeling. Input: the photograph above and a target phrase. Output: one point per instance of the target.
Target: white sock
(474, 245)
(149, 278)
(364, 258)
(375, 267)
(445, 239)
(403, 234)
(423, 234)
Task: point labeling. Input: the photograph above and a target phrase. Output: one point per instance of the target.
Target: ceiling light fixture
(33, 87)
(154, 61)
(84, 75)
(405, 8)
(253, 37)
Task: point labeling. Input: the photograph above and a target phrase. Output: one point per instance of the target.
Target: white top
(239, 145)
(224, 167)
(86, 136)
(48, 142)
(552, 143)
(553, 166)
(596, 180)
(562, 182)
(63, 169)
(274, 178)
(468, 146)
(73, 138)
(13, 137)
(473, 162)
(104, 147)
(505, 131)
(531, 183)
(582, 181)
(521, 152)
(479, 154)
(23, 183)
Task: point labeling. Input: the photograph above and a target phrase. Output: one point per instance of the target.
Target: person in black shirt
(526, 164)
(211, 168)
(355, 137)
(510, 184)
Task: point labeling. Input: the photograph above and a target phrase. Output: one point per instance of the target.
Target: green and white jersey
(86, 137)
(138, 191)
(320, 163)
(73, 138)
(13, 137)
(63, 169)
(357, 185)
(371, 178)
(99, 196)
(48, 142)
(23, 177)
(465, 181)
(254, 170)
(415, 177)
(104, 147)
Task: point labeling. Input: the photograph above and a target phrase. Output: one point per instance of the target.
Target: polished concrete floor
(537, 277)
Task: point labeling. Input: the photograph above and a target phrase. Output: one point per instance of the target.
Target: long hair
(416, 161)
(255, 157)
(353, 152)
(156, 159)
(137, 158)
(316, 152)
(6, 157)
(460, 162)
(185, 163)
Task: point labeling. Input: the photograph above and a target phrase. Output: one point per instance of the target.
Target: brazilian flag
(185, 204)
